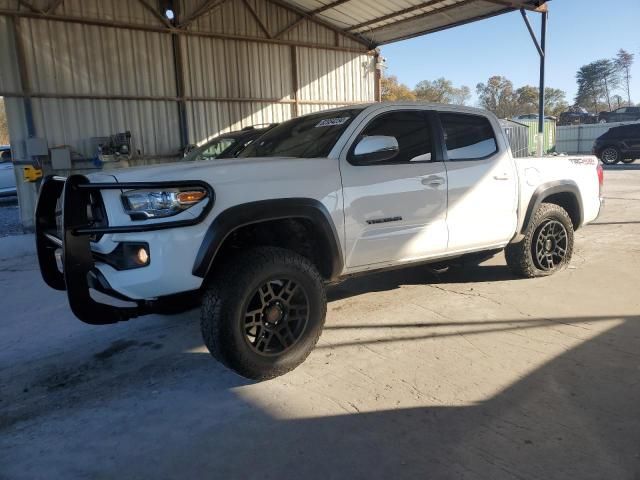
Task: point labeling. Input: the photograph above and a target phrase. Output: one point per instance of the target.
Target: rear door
(631, 137)
(482, 203)
(395, 211)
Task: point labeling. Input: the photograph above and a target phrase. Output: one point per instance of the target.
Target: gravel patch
(10, 217)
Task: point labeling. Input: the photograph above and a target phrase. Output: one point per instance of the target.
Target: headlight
(142, 204)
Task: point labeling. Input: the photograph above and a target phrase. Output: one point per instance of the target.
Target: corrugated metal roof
(392, 20)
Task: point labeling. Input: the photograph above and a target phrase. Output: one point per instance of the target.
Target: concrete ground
(471, 375)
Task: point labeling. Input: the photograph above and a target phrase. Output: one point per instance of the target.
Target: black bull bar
(62, 225)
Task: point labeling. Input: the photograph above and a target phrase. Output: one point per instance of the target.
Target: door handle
(504, 176)
(433, 181)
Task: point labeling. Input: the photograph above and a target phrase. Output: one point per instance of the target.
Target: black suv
(623, 114)
(619, 144)
(576, 116)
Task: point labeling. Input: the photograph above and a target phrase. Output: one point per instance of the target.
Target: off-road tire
(520, 256)
(226, 299)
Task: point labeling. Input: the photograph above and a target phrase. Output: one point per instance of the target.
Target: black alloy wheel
(550, 248)
(263, 311)
(276, 316)
(610, 156)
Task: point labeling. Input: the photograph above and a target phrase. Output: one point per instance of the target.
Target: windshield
(310, 136)
(211, 149)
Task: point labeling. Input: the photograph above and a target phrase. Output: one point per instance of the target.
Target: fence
(518, 136)
(580, 138)
(549, 135)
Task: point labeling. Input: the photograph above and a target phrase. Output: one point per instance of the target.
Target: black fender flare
(261, 211)
(547, 189)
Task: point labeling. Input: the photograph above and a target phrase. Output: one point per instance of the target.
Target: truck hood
(195, 170)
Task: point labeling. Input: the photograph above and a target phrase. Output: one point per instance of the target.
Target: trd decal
(384, 220)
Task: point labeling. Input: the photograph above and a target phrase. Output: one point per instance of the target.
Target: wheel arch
(564, 193)
(311, 212)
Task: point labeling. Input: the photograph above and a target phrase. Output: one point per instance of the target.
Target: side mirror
(374, 149)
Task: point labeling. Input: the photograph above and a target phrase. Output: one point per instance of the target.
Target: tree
(498, 96)
(392, 90)
(554, 100)
(461, 95)
(442, 91)
(609, 76)
(527, 99)
(596, 81)
(4, 126)
(623, 62)
(618, 101)
(590, 88)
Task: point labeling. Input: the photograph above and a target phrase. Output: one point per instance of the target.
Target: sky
(578, 32)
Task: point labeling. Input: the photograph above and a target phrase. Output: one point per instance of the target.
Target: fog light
(143, 256)
(126, 255)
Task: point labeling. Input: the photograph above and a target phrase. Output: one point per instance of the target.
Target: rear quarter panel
(535, 172)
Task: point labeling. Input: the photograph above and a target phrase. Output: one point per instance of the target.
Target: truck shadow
(576, 416)
(391, 280)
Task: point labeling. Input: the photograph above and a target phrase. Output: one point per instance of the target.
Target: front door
(482, 210)
(395, 211)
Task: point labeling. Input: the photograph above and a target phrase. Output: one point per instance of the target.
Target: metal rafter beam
(312, 13)
(531, 32)
(187, 98)
(328, 6)
(164, 20)
(28, 6)
(399, 13)
(540, 8)
(53, 6)
(257, 18)
(311, 18)
(433, 3)
(100, 22)
(205, 8)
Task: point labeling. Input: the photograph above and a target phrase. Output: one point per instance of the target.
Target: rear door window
(468, 137)
(629, 131)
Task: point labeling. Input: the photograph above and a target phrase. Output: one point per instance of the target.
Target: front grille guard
(78, 274)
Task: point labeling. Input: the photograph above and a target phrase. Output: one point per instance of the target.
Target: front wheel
(610, 156)
(547, 246)
(628, 160)
(264, 313)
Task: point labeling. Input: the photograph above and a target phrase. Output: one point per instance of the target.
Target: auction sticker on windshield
(332, 122)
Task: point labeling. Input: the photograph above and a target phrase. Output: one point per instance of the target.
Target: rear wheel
(610, 156)
(628, 160)
(547, 245)
(266, 315)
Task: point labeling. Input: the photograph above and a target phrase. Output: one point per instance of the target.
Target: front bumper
(64, 224)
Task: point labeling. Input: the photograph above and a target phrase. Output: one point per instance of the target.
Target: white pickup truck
(315, 200)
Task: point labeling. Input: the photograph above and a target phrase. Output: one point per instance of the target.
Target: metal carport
(74, 70)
